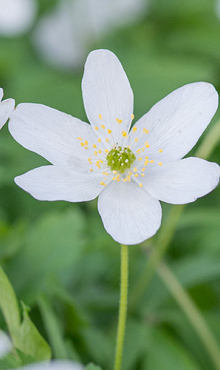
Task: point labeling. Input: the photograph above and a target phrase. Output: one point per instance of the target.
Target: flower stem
(122, 308)
(192, 312)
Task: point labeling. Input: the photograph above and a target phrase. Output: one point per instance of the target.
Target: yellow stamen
(119, 120)
(160, 163)
(138, 151)
(99, 140)
(107, 140)
(95, 152)
(86, 142)
(102, 183)
(136, 175)
(130, 173)
(146, 162)
(102, 126)
(135, 169)
(124, 133)
(82, 144)
(145, 131)
(91, 169)
(152, 161)
(96, 128)
(160, 151)
(134, 128)
(143, 169)
(107, 151)
(140, 158)
(140, 185)
(136, 140)
(79, 138)
(132, 116)
(100, 151)
(94, 146)
(109, 131)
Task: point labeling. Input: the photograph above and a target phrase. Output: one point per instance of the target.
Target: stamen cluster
(120, 159)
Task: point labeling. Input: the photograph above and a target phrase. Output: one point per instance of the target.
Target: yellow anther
(146, 162)
(128, 178)
(99, 140)
(143, 169)
(102, 126)
(142, 174)
(124, 133)
(107, 151)
(91, 169)
(136, 175)
(109, 131)
(86, 142)
(96, 128)
(140, 158)
(135, 169)
(134, 128)
(82, 144)
(146, 144)
(146, 157)
(138, 151)
(94, 146)
(136, 140)
(132, 116)
(160, 151)
(125, 180)
(114, 172)
(117, 178)
(140, 184)
(100, 151)
(107, 140)
(152, 161)
(100, 116)
(130, 173)
(86, 147)
(119, 120)
(143, 149)
(79, 138)
(145, 131)
(102, 183)
(160, 163)
(95, 152)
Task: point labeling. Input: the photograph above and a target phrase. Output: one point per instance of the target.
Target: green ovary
(120, 159)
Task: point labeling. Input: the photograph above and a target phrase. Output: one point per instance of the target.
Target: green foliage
(57, 255)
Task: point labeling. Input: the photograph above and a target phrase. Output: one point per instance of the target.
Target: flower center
(120, 159)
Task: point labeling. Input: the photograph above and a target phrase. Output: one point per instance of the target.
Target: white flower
(5, 344)
(128, 170)
(6, 107)
(63, 36)
(5, 347)
(16, 16)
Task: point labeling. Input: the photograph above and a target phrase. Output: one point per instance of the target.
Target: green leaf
(54, 330)
(92, 367)
(9, 305)
(30, 341)
(165, 353)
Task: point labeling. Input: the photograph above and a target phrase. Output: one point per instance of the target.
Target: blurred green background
(57, 255)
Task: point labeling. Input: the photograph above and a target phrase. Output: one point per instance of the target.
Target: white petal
(6, 107)
(182, 181)
(129, 214)
(5, 344)
(176, 122)
(60, 183)
(1, 94)
(51, 133)
(54, 365)
(107, 92)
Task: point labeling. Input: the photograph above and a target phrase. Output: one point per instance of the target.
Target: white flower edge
(6, 107)
(130, 213)
(54, 365)
(5, 344)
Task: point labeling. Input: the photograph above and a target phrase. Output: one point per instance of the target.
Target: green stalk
(192, 313)
(122, 307)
